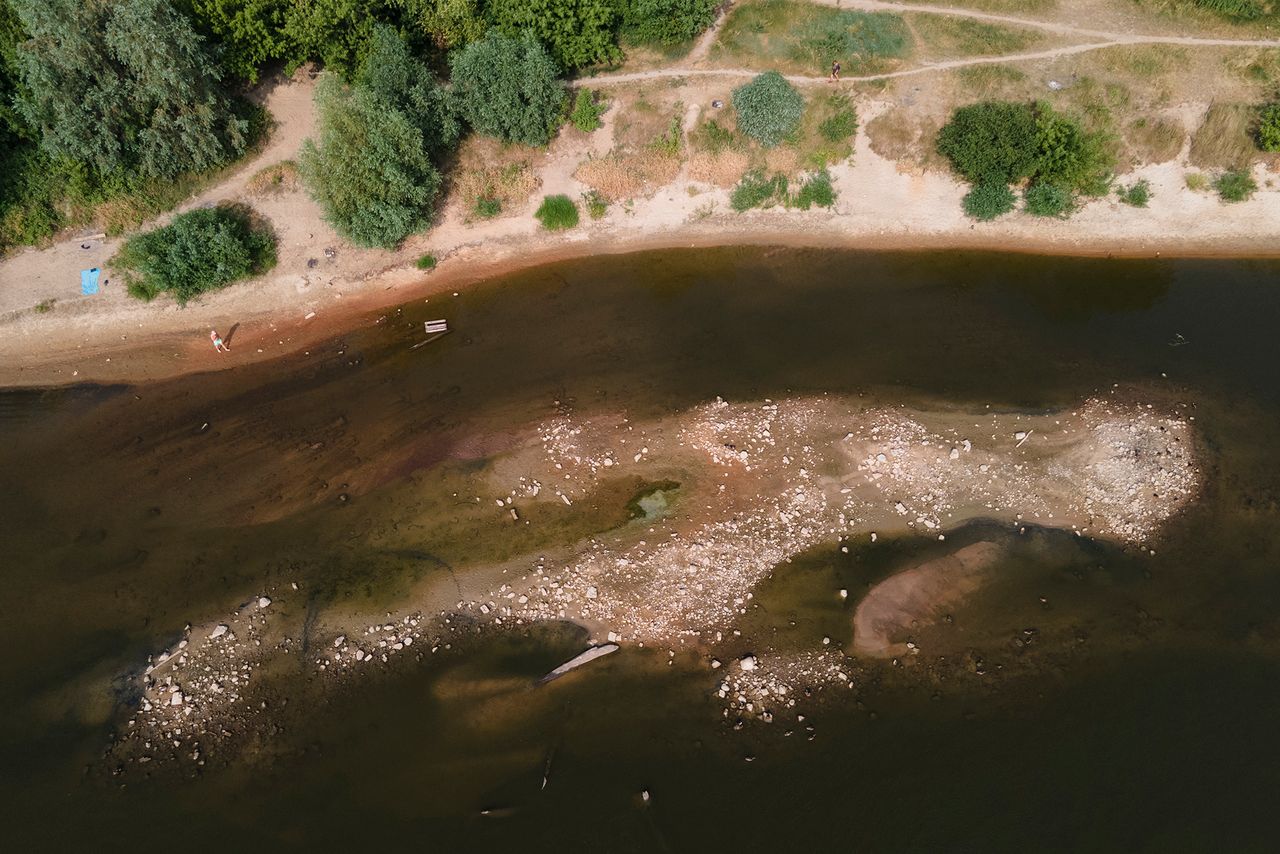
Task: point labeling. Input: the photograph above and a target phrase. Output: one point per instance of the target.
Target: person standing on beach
(217, 342)
(835, 71)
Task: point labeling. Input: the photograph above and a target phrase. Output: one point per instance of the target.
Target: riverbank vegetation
(199, 251)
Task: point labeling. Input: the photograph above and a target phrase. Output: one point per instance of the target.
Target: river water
(1145, 718)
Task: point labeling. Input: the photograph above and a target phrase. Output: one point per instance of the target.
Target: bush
(596, 204)
(665, 22)
(992, 142)
(1269, 128)
(426, 262)
(576, 33)
(508, 88)
(754, 190)
(841, 125)
(988, 200)
(769, 108)
(1235, 186)
(200, 251)
(487, 207)
(371, 172)
(1137, 194)
(817, 190)
(1197, 181)
(1042, 199)
(587, 111)
(557, 213)
(1068, 156)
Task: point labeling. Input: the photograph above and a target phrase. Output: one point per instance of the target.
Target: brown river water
(1095, 694)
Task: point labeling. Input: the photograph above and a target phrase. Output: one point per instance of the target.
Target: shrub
(993, 142)
(371, 172)
(1269, 128)
(596, 204)
(587, 111)
(769, 108)
(1197, 181)
(988, 200)
(507, 87)
(1043, 199)
(841, 125)
(487, 207)
(1137, 194)
(1236, 185)
(1068, 156)
(757, 191)
(200, 251)
(817, 190)
(576, 33)
(557, 213)
(426, 262)
(666, 22)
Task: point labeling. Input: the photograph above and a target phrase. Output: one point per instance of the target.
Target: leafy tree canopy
(991, 142)
(392, 73)
(371, 171)
(507, 87)
(199, 251)
(665, 22)
(124, 87)
(577, 33)
(251, 32)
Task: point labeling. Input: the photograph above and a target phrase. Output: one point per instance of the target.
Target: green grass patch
(816, 191)
(987, 201)
(945, 36)
(487, 207)
(1236, 185)
(587, 110)
(557, 213)
(597, 205)
(756, 190)
(426, 262)
(805, 37)
(1136, 195)
(1048, 200)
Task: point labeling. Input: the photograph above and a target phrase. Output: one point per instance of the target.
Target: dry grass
(274, 180)
(1152, 140)
(487, 169)
(722, 170)
(619, 176)
(904, 136)
(1224, 139)
(1144, 61)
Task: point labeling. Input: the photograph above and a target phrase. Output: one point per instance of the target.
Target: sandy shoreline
(141, 343)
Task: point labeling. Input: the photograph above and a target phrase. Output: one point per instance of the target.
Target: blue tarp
(89, 281)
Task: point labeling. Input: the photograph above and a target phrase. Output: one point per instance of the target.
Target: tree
(251, 32)
(371, 172)
(199, 251)
(124, 87)
(507, 87)
(666, 22)
(392, 73)
(449, 23)
(769, 108)
(577, 33)
(991, 142)
(335, 32)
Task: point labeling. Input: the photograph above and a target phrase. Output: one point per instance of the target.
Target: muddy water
(1093, 698)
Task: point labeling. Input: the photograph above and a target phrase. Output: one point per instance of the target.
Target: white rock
(715, 664)
(263, 601)
(844, 593)
(337, 642)
(614, 637)
(1020, 435)
(592, 592)
(176, 699)
(218, 631)
(747, 662)
(955, 453)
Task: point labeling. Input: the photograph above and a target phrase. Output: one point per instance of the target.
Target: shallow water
(1142, 718)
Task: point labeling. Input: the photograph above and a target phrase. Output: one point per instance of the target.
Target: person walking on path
(835, 71)
(217, 342)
